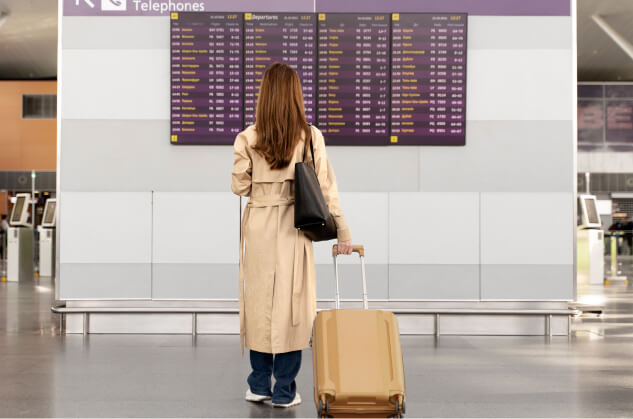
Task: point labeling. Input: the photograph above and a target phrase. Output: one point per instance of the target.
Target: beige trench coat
(277, 288)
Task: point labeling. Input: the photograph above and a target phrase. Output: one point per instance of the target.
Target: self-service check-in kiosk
(20, 242)
(590, 239)
(47, 239)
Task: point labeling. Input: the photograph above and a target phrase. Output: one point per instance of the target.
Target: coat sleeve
(242, 166)
(327, 180)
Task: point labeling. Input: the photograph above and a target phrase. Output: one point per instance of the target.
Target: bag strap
(311, 148)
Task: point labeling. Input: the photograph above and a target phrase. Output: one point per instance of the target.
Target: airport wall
(25, 144)
(141, 219)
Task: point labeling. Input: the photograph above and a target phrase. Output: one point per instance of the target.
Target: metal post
(362, 272)
(587, 183)
(549, 325)
(33, 200)
(61, 324)
(338, 295)
(437, 325)
(33, 252)
(194, 324)
(86, 323)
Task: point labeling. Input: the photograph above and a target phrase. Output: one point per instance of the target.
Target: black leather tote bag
(311, 213)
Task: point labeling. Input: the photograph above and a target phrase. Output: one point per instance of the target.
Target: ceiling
(28, 40)
(599, 58)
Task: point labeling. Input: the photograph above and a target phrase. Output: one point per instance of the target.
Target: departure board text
(206, 77)
(279, 37)
(353, 78)
(428, 79)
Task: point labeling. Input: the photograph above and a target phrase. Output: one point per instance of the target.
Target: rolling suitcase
(357, 358)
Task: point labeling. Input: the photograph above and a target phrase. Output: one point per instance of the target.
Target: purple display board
(367, 78)
(428, 79)
(605, 117)
(206, 77)
(353, 78)
(279, 37)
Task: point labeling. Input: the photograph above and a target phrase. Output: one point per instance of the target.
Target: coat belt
(297, 279)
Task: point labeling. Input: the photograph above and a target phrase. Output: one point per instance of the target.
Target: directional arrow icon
(90, 3)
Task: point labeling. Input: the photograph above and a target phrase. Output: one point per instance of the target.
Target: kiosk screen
(50, 213)
(592, 212)
(16, 215)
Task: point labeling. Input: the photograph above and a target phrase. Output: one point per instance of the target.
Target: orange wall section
(26, 144)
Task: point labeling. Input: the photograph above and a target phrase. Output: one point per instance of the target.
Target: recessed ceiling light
(4, 15)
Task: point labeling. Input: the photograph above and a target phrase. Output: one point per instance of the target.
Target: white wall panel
(500, 156)
(132, 32)
(554, 32)
(519, 85)
(367, 217)
(434, 228)
(196, 227)
(106, 227)
(527, 228)
(115, 84)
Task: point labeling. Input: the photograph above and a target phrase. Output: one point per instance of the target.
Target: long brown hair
(280, 115)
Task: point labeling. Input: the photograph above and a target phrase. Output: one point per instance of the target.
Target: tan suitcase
(357, 357)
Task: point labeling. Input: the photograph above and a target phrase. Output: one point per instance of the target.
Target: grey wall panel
(140, 323)
(196, 227)
(434, 228)
(375, 169)
(516, 156)
(94, 281)
(125, 155)
(520, 84)
(196, 281)
(350, 281)
(367, 215)
(106, 227)
(554, 32)
(132, 32)
(434, 282)
(527, 282)
(145, 160)
(527, 228)
(500, 325)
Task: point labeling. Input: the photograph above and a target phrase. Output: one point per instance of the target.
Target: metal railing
(194, 311)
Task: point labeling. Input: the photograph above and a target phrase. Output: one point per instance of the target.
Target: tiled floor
(43, 374)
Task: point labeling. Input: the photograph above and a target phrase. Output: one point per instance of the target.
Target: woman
(277, 279)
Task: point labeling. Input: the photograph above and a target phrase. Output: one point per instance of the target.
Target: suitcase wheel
(400, 407)
(324, 409)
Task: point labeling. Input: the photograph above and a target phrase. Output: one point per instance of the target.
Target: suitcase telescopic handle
(356, 248)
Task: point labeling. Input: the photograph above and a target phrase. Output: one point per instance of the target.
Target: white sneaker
(295, 402)
(256, 398)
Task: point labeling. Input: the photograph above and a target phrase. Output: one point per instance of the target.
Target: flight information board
(206, 77)
(428, 79)
(279, 37)
(353, 78)
(367, 78)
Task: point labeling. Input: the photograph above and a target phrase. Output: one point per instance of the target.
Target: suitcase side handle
(358, 248)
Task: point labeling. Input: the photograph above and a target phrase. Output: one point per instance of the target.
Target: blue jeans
(284, 367)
